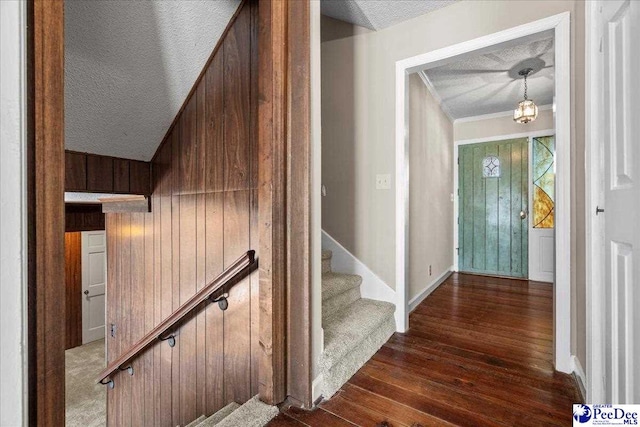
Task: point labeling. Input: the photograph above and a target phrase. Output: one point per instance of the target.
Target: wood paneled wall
(73, 288)
(83, 217)
(105, 174)
(204, 216)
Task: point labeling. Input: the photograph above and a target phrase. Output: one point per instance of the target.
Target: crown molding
(497, 115)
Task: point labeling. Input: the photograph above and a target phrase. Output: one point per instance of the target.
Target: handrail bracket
(222, 301)
(171, 339)
(109, 383)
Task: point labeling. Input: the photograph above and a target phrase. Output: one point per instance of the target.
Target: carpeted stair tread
(347, 328)
(326, 261)
(253, 413)
(197, 421)
(334, 284)
(216, 418)
(339, 302)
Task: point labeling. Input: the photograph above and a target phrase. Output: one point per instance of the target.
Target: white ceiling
(488, 82)
(129, 66)
(378, 14)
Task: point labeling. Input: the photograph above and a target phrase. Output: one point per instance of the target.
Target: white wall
(358, 97)
(12, 214)
(430, 189)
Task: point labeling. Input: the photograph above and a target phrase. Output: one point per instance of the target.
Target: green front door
(493, 183)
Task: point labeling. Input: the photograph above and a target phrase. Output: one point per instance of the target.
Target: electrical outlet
(383, 181)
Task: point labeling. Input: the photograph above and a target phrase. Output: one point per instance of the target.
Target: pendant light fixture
(527, 110)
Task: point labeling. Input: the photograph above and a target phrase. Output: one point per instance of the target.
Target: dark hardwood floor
(478, 353)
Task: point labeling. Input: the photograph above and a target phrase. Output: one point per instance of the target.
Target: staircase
(253, 413)
(354, 327)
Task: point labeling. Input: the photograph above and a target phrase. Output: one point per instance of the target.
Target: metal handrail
(158, 333)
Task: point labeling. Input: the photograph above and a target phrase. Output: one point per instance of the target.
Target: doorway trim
(561, 25)
(456, 199)
(594, 192)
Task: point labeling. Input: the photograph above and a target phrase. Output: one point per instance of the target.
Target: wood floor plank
(318, 417)
(479, 352)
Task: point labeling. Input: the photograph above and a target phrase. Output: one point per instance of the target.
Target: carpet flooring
(86, 404)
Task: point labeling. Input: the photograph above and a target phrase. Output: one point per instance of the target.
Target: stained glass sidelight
(491, 167)
(544, 181)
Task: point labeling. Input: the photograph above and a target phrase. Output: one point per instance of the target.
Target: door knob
(523, 214)
(86, 292)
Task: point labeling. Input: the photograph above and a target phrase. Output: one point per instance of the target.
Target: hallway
(479, 353)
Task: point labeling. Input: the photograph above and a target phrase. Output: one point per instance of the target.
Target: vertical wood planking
(125, 325)
(112, 345)
(214, 220)
(491, 215)
(175, 265)
(187, 259)
(137, 314)
(237, 80)
(121, 175)
(215, 344)
(147, 359)
(237, 322)
(165, 296)
(200, 258)
(75, 168)
(99, 173)
(505, 210)
(479, 210)
(204, 215)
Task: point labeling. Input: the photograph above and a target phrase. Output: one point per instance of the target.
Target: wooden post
(284, 201)
(46, 212)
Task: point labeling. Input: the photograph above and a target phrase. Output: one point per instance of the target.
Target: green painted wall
(492, 237)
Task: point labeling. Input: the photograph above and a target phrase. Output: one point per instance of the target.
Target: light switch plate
(383, 181)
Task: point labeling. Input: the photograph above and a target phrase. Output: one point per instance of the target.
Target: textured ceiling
(129, 66)
(486, 83)
(378, 14)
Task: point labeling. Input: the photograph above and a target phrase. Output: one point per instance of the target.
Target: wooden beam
(271, 198)
(299, 377)
(284, 201)
(46, 327)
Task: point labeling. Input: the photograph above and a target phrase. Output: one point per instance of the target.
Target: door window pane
(491, 167)
(544, 182)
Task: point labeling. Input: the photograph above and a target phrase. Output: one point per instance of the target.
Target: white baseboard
(343, 261)
(581, 378)
(415, 301)
(316, 387)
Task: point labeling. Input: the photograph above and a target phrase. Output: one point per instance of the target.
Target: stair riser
(326, 265)
(340, 302)
(338, 374)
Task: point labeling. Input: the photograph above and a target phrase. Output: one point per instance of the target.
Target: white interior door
(542, 208)
(94, 280)
(621, 216)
